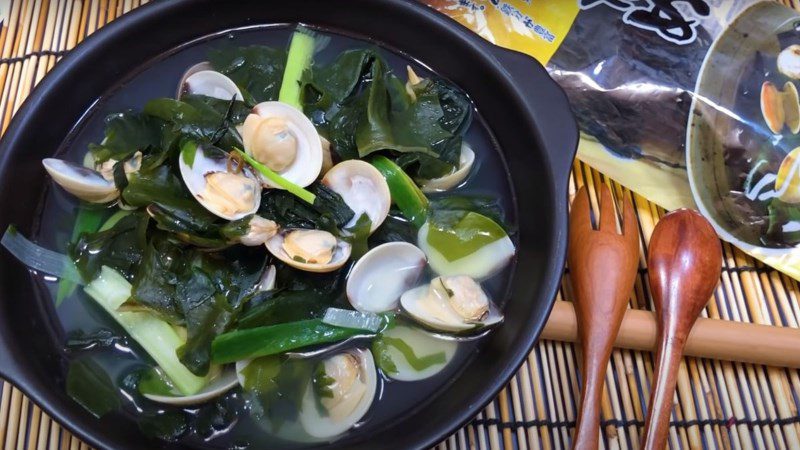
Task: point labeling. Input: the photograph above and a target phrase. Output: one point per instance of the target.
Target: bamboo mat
(719, 405)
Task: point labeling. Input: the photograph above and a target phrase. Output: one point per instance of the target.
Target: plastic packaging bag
(690, 103)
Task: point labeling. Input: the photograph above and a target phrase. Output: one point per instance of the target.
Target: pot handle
(547, 104)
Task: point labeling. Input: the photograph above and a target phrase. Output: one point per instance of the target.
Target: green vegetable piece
(119, 245)
(358, 236)
(152, 381)
(206, 314)
(189, 152)
(301, 50)
(260, 373)
(281, 306)
(158, 338)
(256, 69)
(273, 176)
(419, 363)
(271, 340)
(456, 234)
(90, 386)
(382, 357)
(87, 221)
(126, 133)
(405, 193)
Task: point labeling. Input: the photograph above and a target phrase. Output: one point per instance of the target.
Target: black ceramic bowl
(526, 111)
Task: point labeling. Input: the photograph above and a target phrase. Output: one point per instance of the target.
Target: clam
(282, 138)
(327, 155)
(340, 394)
(451, 180)
(106, 169)
(787, 181)
(780, 108)
(451, 303)
(789, 61)
(225, 189)
(259, 231)
(309, 250)
(425, 346)
(218, 385)
(363, 188)
(380, 277)
(82, 182)
(202, 79)
(791, 107)
(448, 254)
(772, 107)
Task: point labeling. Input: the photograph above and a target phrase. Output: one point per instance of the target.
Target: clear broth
(159, 78)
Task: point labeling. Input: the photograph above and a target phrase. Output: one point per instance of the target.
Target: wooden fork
(603, 267)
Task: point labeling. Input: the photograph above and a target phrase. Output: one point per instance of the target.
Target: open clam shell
(772, 107)
(380, 277)
(780, 107)
(305, 164)
(229, 195)
(480, 264)
(363, 188)
(432, 306)
(339, 253)
(80, 181)
(350, 400)
(202, 79)
(452, 180)
(424, 344)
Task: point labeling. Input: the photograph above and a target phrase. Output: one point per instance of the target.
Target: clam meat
(309, 250)
(282, 138)
(227, 190)
(451, 303)
(340, 393)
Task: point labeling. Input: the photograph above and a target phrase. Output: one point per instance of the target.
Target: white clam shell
(363, 188)
(452, 180)
(423, 344)
(209, 160)
(480, 264)
(340, 255)
(380, 277)
(226, 381)
(202, 79)
(413, 302)
(82, 182)
(319, 426)
(307, 164)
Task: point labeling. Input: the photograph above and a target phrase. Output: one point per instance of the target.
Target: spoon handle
(668, 359)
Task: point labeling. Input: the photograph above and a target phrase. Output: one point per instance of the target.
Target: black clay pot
(526, 111)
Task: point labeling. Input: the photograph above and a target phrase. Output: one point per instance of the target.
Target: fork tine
(580, 217)
(608, 215)
(630, 228)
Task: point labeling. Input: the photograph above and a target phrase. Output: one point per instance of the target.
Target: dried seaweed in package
(691, 103)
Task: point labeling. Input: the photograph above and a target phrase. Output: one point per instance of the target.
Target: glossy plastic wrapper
(688, 103)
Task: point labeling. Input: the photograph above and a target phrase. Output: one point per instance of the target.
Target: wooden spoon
(603, 266)
(684, 264)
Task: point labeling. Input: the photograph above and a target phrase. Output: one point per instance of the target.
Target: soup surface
(266, 411)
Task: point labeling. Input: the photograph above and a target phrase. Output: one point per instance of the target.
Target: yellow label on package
(535, 27)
